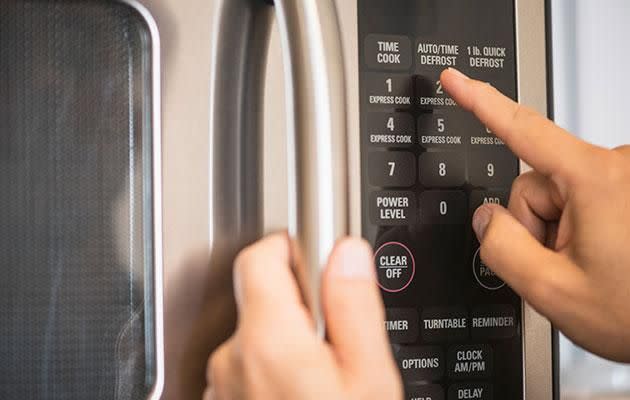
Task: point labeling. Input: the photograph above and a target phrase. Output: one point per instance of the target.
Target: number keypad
(427, 165)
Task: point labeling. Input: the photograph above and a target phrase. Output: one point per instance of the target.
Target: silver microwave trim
(156, 120)
(531, 57)
(531, 48)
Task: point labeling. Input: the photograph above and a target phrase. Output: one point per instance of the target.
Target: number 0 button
(443, 169)
(392, 169)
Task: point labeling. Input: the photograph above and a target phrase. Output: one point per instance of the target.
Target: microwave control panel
(455, 327)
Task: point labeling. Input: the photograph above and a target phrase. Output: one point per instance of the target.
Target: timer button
(395, 267)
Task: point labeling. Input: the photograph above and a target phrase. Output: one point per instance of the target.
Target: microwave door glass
(76, 218)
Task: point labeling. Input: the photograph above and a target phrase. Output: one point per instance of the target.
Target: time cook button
(388, 52)
(395, 267)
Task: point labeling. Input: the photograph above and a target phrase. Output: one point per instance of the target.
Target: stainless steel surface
(532, 90)
(156, 123)
(348, 19)
(313, 57)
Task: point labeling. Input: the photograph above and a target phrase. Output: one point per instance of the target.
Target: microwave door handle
(240, 36)
(316, 104)
(317, 128)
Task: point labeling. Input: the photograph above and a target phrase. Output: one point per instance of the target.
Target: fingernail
(481, 220)
(352, 259)
(457, 73)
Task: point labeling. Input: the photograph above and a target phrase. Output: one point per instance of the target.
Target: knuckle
(520, 185)
(216, 365)
(615, 167)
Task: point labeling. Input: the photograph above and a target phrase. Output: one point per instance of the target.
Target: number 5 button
(392, 169)
(442, 169)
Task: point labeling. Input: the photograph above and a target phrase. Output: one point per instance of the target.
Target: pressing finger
(534, 204)
(528, 134)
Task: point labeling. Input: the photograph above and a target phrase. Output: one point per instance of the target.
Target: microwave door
(80, 211)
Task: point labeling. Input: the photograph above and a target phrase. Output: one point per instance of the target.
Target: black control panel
(454, 326)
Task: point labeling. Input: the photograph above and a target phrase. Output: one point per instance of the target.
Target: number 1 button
(392, 169)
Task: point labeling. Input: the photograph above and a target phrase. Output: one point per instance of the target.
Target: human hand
(564, 242)
(276, 353)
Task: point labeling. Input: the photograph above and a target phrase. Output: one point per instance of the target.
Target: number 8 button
(442, 169)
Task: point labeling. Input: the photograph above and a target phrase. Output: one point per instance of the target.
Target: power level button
(395, 267)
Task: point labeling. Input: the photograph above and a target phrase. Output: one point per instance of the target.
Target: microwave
(143, 143)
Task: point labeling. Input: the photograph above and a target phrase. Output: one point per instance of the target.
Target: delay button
(470, 391)
(395, 267)
(470, 362)
(388, 52)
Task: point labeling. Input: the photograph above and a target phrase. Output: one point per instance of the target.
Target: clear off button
(395, 267)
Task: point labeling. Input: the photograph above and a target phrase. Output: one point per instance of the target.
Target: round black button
(395, 267)
(484, 275)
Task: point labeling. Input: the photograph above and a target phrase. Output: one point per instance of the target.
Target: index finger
(548, 148)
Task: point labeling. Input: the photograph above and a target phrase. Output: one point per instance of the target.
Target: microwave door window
(76, 299)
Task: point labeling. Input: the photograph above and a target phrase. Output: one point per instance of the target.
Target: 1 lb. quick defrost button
(388, 52)
(395, 267)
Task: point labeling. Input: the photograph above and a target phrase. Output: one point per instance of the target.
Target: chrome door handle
(312, 49)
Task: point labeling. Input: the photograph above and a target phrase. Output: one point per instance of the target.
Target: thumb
(354, 309)
(547, 280)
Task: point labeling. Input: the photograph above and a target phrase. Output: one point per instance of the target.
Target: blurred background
(591, 79)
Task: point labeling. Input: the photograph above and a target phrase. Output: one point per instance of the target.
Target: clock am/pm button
(395, 267)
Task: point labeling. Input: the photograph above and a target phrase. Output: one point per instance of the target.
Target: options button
(420, 364)
(395, 267)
